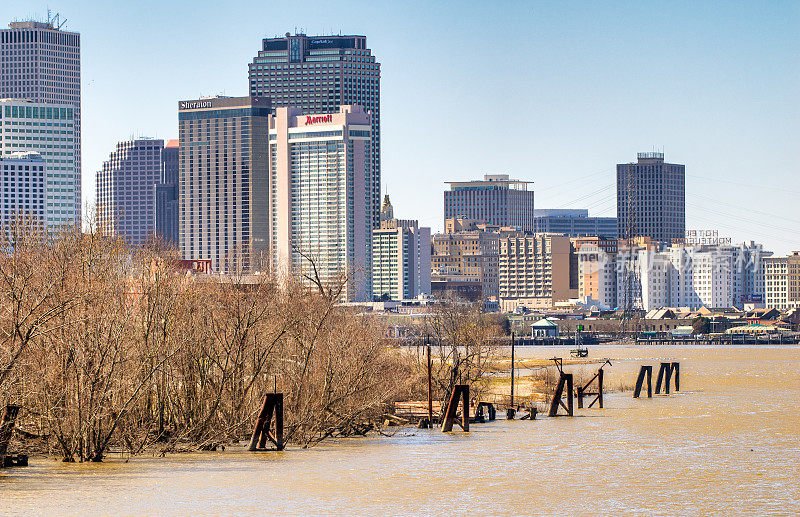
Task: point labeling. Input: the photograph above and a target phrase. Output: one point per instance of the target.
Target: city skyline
(730, 115)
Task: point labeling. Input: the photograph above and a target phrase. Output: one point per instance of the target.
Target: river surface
(727, 444)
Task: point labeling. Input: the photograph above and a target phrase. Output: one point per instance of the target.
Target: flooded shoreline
(727, 443)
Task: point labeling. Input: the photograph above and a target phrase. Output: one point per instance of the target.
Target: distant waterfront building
(125, 190)
(166, 193)
(712, 276)
(42, 63)
(467, 253)
(318, 74)
(48, 129)
(321, 196)
(573, 222)
(23, 187)
(401, 257)
(223, 182)
(782, 281)
(495, 200)
(656, 192)
(535, 271)
(595, 265)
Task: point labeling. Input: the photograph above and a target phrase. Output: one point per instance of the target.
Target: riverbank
(727, 443)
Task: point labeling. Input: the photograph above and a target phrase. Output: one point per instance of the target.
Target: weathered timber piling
(665, 372)
(491, 412)
(273, 404)
(582, 390)
(7, 422)
(564, 388)
(460, 394)
(648, 372)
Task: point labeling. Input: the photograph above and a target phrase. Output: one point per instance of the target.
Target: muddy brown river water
(728, 443)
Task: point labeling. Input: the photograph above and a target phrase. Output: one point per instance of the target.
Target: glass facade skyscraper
(223, 189)
(495, 200)
(125, 190)
(47, 129)
(320, 202)
(653, 193)
(42, 63)
(318, 74)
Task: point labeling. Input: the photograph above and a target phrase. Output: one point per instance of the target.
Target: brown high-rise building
(223, 182)
(318, 74)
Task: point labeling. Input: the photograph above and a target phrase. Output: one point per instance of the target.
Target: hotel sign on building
(702, 237)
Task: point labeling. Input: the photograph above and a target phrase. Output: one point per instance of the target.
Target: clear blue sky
(552, 92)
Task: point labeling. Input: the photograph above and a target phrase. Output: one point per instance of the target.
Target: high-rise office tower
(42, 63)
(223, 182)
(320, 196)
(47, 129)
(125, 190)
(166, 192)
(23, 187)
(574, 222)
(401, 257)
(653, 194)
(495, 200)
(318, 74)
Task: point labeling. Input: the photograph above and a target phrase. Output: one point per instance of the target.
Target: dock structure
(273, 405)
(582, 391)
(645, 372)
(460, 394)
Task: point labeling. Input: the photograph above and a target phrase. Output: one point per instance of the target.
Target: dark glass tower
(651, 199)
(318, 74)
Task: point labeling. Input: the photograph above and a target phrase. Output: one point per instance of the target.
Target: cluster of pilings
(665, 376)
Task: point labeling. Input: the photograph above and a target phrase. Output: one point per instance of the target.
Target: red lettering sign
(318, 119)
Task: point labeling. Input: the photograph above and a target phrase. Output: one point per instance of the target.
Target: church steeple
(387, 212)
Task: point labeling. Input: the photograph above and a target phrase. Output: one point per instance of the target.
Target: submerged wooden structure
(273, 405)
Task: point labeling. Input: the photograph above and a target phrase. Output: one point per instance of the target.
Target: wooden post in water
(7, 430)
(460, 394)
(676, 367)
(430, 388)
(512, 369)
(564, 384)
(648, 372)
(273, 404)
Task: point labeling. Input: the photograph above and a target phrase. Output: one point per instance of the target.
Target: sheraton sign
(321, 119)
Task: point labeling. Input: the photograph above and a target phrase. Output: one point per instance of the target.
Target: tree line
(109, 347)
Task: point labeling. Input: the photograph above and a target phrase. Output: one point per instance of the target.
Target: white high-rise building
(712, 276)
(126, 190)
(321, 197)
(47, 129)
(401, 257)
(42, 63)
(23, 187)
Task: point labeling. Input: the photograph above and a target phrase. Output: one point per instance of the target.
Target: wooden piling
(460, 394)
(512, 371)
(564, 383)
(676, 367)
(430, 388)
(645, 371)
(273, 404)
(7, 422)
(665, 372)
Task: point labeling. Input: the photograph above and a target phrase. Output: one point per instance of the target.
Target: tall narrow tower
(41, 62)
(318, 74)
